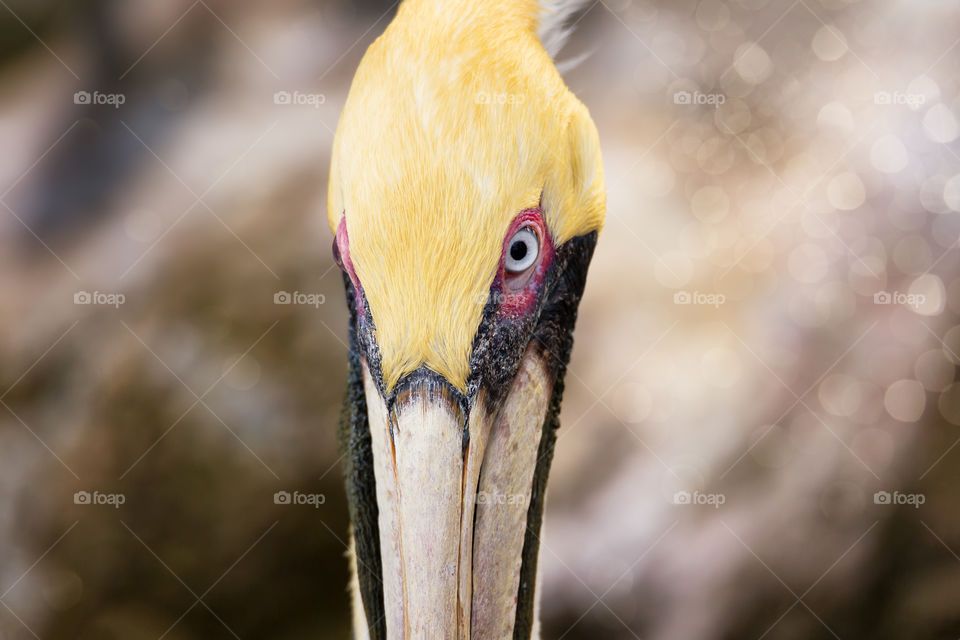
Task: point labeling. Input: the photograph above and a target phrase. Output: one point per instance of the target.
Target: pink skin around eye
(520, 291)
(343, 246)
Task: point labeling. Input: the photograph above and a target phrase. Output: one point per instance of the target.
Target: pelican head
(466, 193)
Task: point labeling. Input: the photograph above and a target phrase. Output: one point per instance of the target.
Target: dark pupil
(518, 250)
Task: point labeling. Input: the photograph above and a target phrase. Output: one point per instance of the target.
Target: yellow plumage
(456, 121)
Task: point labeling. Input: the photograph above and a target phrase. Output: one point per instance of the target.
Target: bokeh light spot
(829, 43)
(846, 191)
(905, 400)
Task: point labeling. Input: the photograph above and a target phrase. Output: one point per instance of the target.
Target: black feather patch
(361, 483)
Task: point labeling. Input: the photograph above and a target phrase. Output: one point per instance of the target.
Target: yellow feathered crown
(456, 121)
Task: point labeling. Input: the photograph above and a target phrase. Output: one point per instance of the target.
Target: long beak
(453, 486)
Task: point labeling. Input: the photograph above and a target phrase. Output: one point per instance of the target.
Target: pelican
(465, 196)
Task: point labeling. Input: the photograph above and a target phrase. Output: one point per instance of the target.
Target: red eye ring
(522, 272)
(341, 255)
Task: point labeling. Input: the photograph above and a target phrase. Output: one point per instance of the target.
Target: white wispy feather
(554, 27)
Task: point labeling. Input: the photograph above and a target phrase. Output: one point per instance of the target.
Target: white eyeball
(522, 251)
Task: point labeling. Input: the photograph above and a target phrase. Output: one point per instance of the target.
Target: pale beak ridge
(453, 510)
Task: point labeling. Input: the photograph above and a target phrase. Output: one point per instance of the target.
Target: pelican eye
(522, 251)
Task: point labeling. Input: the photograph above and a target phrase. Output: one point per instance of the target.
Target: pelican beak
(453, 484)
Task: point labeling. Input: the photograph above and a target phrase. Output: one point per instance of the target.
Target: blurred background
(760, 426)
